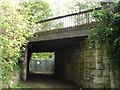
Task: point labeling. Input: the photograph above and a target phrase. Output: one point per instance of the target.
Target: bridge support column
(23, 68)
(28, 63)
(23, 64)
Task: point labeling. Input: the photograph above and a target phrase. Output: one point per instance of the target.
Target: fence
(42, 66)
(70, 20)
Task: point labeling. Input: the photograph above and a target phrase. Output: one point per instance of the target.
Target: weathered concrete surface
(53, 45)
(69, 32)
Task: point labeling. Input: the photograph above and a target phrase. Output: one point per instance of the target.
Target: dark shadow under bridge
(66, 37)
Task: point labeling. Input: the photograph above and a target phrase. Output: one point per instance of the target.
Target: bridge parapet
(69, 32)
(70, 20)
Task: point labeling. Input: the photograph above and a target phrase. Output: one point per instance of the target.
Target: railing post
(70, 20)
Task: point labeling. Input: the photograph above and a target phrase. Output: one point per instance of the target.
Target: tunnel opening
(42, 63)
(43, 74)
(66, 55)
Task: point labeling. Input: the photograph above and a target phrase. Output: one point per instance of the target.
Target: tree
(14, 33)
(77, 6)
(45, 55)
(17, 20)
(36, 11)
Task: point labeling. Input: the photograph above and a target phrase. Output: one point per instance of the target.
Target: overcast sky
(59, 6)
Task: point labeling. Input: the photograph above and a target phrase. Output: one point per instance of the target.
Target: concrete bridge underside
(54, 45)
(74, 60)
(64, 43)
(63, 49)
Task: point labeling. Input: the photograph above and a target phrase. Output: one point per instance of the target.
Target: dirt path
(47, 81)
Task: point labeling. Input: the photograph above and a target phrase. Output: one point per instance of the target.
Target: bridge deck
(67, 26)
(69, 32)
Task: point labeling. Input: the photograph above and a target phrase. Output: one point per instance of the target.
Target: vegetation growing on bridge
(108, 32)
(45, 55)
(17, 20)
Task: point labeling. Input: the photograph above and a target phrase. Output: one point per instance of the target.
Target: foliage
(34, 12)
(14, 34)
(16, 24)
(77, 6)
(45, 55)
(108, 33)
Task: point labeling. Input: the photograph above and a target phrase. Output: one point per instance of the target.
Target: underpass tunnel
(42, 63)
(63, 51)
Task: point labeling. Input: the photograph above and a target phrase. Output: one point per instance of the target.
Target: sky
(59, 6)
(64, 1)
(58, 1)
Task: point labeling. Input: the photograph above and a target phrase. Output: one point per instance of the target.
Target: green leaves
(35, 11)
(16, 22)
(108, 33)
(100, 15)
(45, 56)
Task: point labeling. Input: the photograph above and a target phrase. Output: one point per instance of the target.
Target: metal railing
(70, 20)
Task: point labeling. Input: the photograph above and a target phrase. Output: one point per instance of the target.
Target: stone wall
(81, 65)
(86, 67)
(23, 64)
(23, 68)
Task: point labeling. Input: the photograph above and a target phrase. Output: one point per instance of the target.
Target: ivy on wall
(107, 32)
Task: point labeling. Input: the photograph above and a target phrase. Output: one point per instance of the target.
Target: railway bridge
(74, 61)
